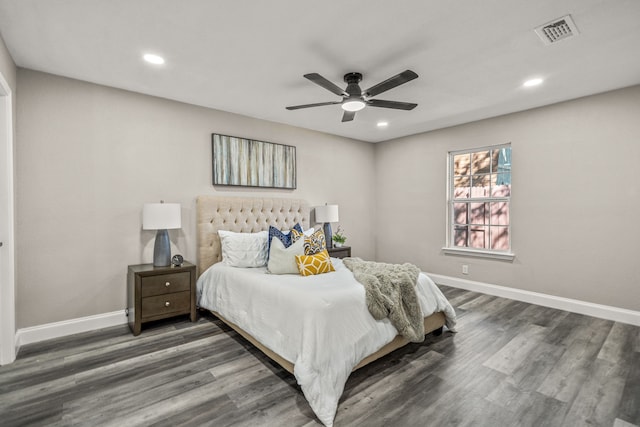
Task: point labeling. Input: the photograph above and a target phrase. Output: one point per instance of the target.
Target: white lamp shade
(327, 213)
(161, 216)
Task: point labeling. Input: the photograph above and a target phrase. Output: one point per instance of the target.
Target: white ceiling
(248, 57)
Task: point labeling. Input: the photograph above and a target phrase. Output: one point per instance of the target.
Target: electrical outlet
(465, 269)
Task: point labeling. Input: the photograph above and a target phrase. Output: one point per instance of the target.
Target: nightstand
(344, 251)
(155, 293)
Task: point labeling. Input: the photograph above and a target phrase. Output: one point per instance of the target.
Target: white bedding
(319, 323)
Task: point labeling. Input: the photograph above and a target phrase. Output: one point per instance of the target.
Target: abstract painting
(250, 163)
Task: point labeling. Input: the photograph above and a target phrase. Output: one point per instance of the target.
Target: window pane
(480, 185)
(481, 180)
(478, 213)
(460, 213)
(495, 156)
(500, 213)
(480, 162)
(504, 166)
(500, 238)
(461, 188)
(460, 236)
(461, 164)
(501, 191)
(479, 237)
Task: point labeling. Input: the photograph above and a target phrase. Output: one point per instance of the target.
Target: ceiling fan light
(353, 105)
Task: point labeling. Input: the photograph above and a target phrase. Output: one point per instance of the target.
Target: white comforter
(319, 323)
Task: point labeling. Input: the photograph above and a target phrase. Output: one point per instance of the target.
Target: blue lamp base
(162, 249)
(327, 235)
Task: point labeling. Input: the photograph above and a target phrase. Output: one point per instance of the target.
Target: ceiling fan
(355, 99)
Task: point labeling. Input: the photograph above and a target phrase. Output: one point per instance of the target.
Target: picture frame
(247, 162)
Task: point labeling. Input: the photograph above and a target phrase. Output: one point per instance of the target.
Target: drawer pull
(167, 284)
(167, 304)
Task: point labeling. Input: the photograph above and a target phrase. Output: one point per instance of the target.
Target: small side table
(155, 293)
(341, 252)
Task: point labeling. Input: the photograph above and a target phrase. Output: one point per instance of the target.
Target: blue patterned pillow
(284, 238)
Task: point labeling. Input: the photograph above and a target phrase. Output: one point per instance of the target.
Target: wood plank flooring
(510, 364)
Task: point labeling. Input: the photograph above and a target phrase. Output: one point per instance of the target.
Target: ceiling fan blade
(321, 81)
(391, 104)
(318, 104)
(348, 116)
(391, 82)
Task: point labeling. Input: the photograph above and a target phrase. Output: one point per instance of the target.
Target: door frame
(7, 258)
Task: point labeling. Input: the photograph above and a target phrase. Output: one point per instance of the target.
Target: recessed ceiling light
(382, 124)
(532, 82)
(153, 59)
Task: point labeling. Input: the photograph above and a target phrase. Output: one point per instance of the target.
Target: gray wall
(89, 157)
(575, 202)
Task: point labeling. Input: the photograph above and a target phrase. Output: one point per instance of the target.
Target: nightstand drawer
(160, 305)
(165, 283)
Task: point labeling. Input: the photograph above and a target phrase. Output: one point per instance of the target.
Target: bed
(317, 348)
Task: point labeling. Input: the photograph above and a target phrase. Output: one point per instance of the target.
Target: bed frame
(251, 215)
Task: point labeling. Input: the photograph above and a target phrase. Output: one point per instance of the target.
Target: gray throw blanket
(391, 292)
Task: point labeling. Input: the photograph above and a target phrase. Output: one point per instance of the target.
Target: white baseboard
(48, 331)
(575, 306)
(84, 324)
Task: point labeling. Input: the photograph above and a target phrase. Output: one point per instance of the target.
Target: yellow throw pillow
(319, 263)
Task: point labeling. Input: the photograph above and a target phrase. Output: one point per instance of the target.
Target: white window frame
(450, 248)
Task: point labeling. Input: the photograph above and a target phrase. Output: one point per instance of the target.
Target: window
(478, 202)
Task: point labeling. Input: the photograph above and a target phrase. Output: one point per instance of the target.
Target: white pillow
(283, 260)
(244, 249)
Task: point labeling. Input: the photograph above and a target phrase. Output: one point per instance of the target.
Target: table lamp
(327, 214)
(161, 216)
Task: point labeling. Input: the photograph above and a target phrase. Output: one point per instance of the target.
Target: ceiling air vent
(558, 29)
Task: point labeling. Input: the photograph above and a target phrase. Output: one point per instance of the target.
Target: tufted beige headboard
(237, 214)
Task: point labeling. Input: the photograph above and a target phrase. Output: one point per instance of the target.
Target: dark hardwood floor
(510, 364)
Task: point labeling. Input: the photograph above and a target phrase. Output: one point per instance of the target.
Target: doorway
(7, 227)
